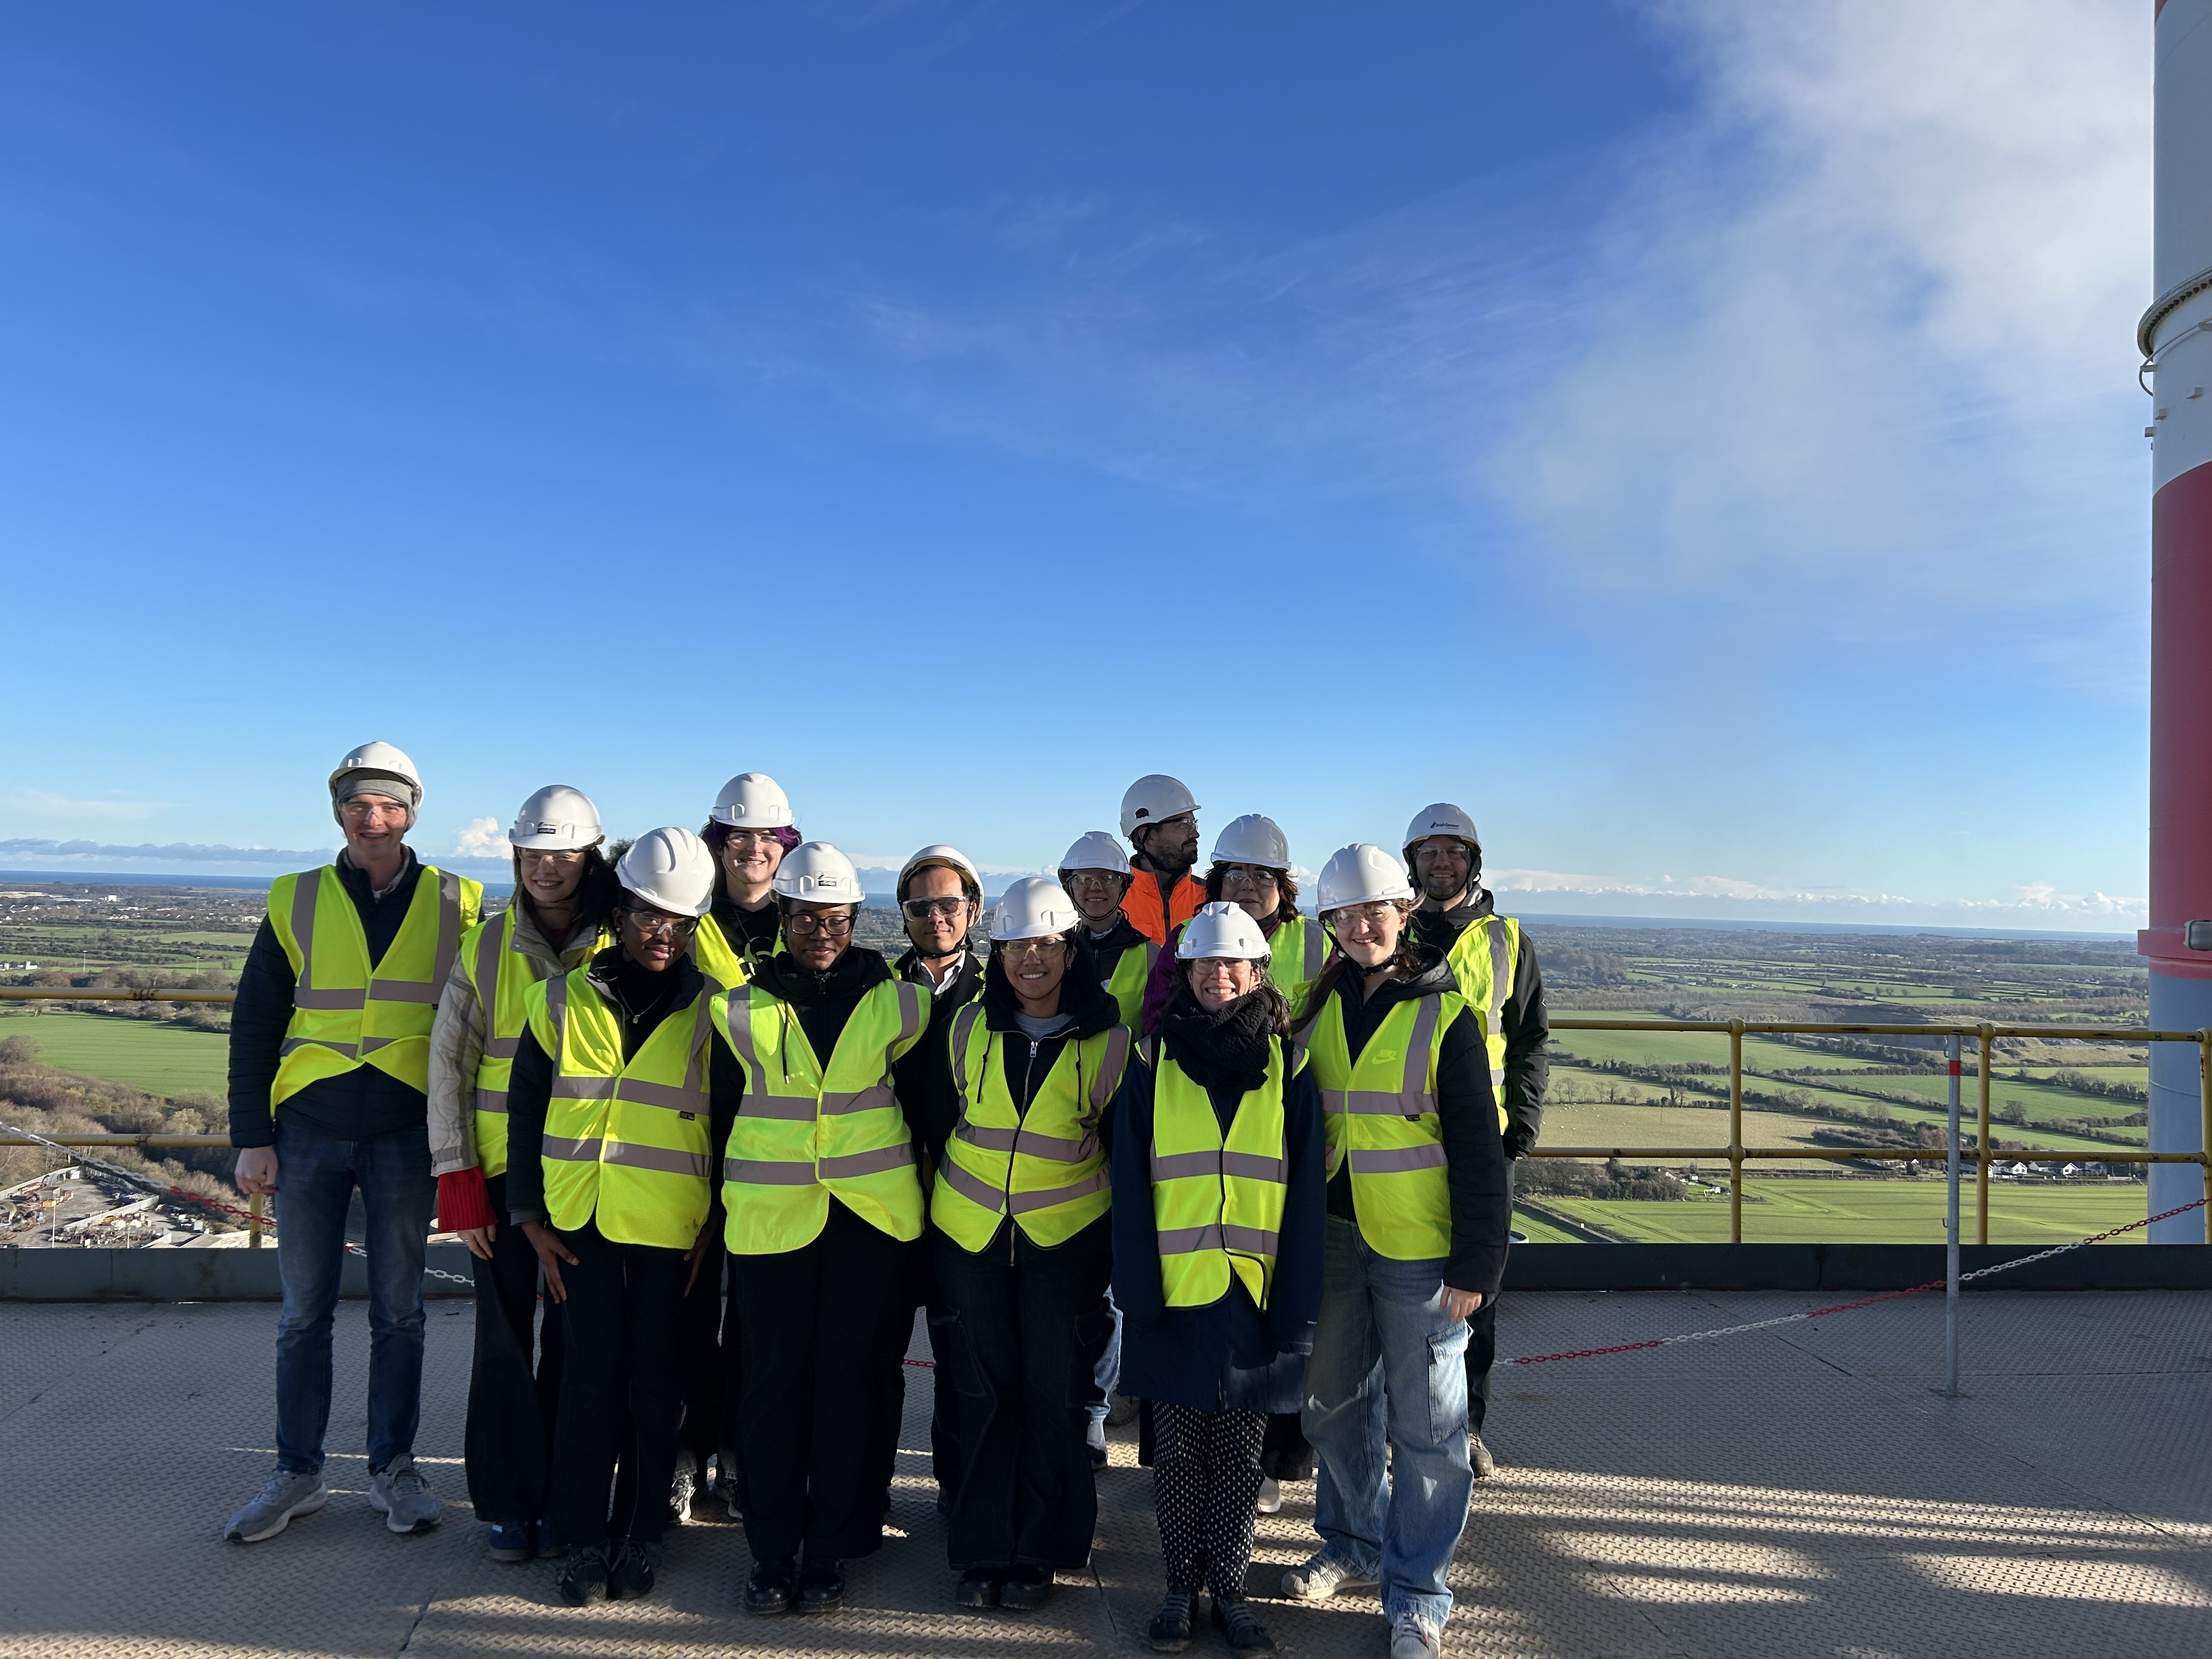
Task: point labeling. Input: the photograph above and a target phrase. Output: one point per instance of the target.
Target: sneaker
(821, 1587)
(397, 1493)
(682, 1486)
(1169, 1631)
(1026, 1589)
(1321, 1577)
(1237, 1623)
(289, 1492)
(513, 1541)
(772, 1589)
(1414, 1637)
(1095, 1438)
(978, 1587)
(584, 1575)
(1120, 1410)
(1478, 1458)
(1270, 1500)
(629, 1575)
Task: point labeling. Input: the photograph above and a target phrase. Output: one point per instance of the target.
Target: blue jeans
(1106, 1375)
(316, 1175)
(1385, 1353)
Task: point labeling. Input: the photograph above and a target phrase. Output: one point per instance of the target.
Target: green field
(162, 1060)
(1866, 1210)
(1539, 1231)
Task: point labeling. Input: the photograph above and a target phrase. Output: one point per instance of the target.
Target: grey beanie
(367, 781)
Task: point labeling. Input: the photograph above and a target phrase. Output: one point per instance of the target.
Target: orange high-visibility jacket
(1141, 904)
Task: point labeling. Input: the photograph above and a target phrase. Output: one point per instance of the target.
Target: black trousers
(621, 1389)
(1206, 1477)
(1028, 1325)
(809, 1465)
(514, 1380)
(702, 1321)
(896, 1334)
(1482, 1340)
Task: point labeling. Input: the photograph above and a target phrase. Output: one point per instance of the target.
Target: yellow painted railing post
(253, 1221)
(1982, 1146)
(1736, 1132)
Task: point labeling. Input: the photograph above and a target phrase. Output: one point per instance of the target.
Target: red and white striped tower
(2176, 335)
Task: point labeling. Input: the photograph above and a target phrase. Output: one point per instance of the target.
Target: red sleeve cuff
(463, 1203)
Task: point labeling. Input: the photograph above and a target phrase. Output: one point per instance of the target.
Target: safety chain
(1847, 1306)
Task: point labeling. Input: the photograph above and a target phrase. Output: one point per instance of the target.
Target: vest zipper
(1021, 1116)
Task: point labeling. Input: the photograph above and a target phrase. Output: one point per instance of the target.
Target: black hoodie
(1481, 1201)
(1527, 1028)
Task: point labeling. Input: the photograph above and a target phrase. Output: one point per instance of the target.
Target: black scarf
(1225, 1050)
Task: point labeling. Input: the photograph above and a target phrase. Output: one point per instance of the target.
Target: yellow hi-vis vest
(1484, 959)
(1126, 984)
(806, 1131)
(347, 1011)
(1045, 1166)
(714, 955)
(1297, 948)
(628, 1144)
(1217, 1203)
(501, 977)
(1382, 1114)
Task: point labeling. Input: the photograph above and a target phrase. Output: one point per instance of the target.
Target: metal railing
(1982, 1155)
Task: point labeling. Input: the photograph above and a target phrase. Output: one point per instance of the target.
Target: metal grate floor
(1799, 1492)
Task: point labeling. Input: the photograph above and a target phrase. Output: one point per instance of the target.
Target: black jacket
(644, 999)
(1106, 948)
(1231, 1355)
(1481, 1199)
(1527, 1028)
(925, 1089)
(353, 1105)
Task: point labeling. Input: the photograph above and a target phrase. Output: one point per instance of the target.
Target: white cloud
(1867, 319)
(2038, 905)
(45, 806)
(482, 838)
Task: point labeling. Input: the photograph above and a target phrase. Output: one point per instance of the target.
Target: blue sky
(1699, 439)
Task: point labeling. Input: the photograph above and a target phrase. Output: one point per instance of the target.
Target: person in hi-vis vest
(610, 1162)
(820, 1186)
(1495, 964)
(330, 1060)
(1417, 1214)
(1022, 1247)
(1216, 1258)
(565, 893)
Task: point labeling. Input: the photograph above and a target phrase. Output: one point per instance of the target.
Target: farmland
(1837, 1210)
(161, 1059)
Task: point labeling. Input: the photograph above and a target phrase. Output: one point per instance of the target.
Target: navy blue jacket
(1229, 1356)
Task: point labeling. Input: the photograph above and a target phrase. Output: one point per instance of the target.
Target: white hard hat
(941, 856)
(1359, 873)
(1035, 907)
(1442, 819)
(670, 869)
(556, 819)
(752, 800)
(1094, 849)
(1252, 839)
(1222, 929)
(1152, 798)
(371, 763)
(815, 872)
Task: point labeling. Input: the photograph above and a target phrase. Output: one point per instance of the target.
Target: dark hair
(1266, 990)
(1286, 887)
(598, 893)
(716, 834)
(1402, 963)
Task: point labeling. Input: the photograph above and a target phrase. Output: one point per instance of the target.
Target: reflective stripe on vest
(345, 1012)
(1380, 1114)
(1216, 1201)
(1485, 967)
(1133, 971)
(628, 1143)
(1042, 1164)
(1299, 949)
(805, 1131)
(487, 955)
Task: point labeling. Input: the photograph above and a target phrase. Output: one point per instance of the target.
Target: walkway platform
(1796, 1492)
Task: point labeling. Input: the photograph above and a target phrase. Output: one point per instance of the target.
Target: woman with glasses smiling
(749, 832)
(1251, 869)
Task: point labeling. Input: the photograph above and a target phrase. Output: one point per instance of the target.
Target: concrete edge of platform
(239, 1275)
(66, 1274)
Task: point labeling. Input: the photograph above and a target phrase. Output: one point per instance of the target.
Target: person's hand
(1460, 1304)
(551, 1253)
(697, 1254)
(478, 1239)
(257, 1169)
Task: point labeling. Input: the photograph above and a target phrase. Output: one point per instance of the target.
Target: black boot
(772, 1587)
(821, 1587)
(978, 1587)
(584, 1575)
(629, 1575)
(1170, 1626)
(1026, 1588)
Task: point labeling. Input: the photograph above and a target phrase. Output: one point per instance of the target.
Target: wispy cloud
(175, 852)
(44, 805)
(2037, 904)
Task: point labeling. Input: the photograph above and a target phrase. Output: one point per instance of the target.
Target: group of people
(1167, 1145)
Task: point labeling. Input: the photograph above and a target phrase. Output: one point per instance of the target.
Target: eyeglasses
(923, 909)
(749, 841)
(650, 926)
(1095, 877)
(1257, 877)
(363, 806)
(1040, 948)
(1362, 917)
(559, 858)
(804, 923)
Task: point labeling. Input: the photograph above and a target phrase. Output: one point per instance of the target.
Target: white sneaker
(289, 1492)
(682, 1486)
(1270, 1500)
(1414, 1637)
(1321, 1576)
(397, 1493)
